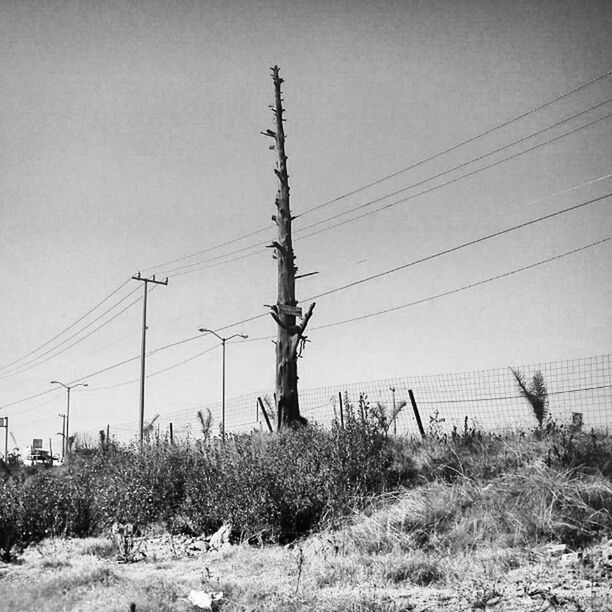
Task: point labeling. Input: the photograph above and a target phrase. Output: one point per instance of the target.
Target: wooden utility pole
(143, 349)
(290, 337)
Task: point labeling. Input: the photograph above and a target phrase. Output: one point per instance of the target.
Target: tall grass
(449, 492)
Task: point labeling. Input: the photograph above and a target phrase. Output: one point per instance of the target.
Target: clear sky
(130, 137)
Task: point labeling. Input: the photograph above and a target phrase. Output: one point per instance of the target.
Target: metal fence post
(417, 416)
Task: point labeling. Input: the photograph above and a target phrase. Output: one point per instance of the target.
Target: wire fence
(579, 393)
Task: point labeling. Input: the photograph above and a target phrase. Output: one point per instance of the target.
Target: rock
(221, 538)
(204, 600)
(555, 550)
(569, 559)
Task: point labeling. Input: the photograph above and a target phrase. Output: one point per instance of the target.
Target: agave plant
(205, 422)
(387, 415)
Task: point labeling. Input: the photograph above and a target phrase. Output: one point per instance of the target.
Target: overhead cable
(421, 162)
(298, 234)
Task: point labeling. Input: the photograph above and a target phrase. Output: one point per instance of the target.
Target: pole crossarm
(153, 280)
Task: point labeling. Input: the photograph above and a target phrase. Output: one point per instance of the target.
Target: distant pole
(341, 410)
(171, 434)
(63, 434)
(146, 282)
(223, 391)
(68, 388)
(66, 442)
(4, 423)
(108, 435)
(392, 389)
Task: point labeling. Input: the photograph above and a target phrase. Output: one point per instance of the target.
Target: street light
(67, 387)
(63, 434)
(223, 341)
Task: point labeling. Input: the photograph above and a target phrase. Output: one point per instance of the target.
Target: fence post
(341, 410)
(417, 416)
(265, 414)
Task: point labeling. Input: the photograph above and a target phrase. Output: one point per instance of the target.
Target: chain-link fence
(579, 392)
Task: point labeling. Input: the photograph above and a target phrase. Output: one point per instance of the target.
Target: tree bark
(290, 334)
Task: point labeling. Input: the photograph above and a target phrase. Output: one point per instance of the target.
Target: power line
(459, 246)
(33, 363)
(392, 309)
(449, 182)
(110, 295)
(175, 365)
(464, 287)
(45, 403)
(468, 140)
(480, 157)
(183, 269)
(346, 286)
(430, 257)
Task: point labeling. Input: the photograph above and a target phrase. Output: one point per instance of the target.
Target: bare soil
(314, 574)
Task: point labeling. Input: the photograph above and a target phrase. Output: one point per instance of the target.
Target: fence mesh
(579, 390)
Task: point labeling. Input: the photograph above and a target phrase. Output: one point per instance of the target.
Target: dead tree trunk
(290, 337)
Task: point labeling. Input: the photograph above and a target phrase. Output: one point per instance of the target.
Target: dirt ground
(160, 573)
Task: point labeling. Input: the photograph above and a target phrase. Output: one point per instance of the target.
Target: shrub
(282, 485)
(11, 517)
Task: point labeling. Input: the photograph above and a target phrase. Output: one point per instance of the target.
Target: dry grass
(472, 536)
(454, 546)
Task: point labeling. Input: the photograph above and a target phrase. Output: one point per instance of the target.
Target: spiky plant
(535, 392)
(149, 426)
(387, 415)
(205, 422)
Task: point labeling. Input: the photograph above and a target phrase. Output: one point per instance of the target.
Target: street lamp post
(68, 388)
(63, 434)
(223, 341)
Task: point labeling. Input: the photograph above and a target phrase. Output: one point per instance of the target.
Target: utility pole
(4, 423)
(290, 336)
(146, 282)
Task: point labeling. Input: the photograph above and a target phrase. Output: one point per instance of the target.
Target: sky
(131, 142)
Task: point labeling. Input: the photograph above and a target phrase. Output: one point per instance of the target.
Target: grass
(465, 527)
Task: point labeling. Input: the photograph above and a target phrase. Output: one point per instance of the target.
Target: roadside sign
(3, 421)
(295, 311)
(36, 443)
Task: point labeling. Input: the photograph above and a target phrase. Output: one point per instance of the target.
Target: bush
(282, 485)
(277, 487)
(11, 517)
